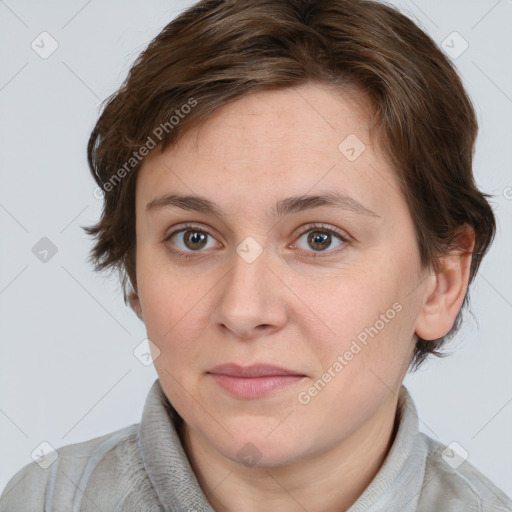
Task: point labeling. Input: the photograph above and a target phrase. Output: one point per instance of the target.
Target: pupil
(196, 237)
(318, 238)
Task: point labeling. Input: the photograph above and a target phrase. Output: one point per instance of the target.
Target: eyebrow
(281, 208)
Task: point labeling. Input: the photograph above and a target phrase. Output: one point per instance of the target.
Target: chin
(261, 450)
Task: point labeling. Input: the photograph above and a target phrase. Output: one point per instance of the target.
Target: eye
(190, 239)
(319, 238)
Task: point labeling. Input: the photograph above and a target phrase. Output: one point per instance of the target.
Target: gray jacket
(143, 468)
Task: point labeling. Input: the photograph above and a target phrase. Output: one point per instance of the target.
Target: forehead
(281, 142)
(278, 122)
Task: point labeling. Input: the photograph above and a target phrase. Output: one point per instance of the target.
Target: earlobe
(135, 305)
(443, 303)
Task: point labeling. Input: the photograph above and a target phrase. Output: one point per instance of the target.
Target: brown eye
(194, 240)
(320, 239)
(190, 239)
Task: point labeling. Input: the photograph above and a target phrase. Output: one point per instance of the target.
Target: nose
(251, 300)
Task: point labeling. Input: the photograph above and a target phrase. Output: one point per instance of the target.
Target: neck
(325, 482)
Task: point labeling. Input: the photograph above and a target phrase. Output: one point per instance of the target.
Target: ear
(135, 304)
(445, 296)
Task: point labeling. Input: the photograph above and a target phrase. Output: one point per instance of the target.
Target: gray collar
(397, 485)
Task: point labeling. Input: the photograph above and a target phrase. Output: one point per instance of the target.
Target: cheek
(367, 319)
(172, 301)
(176, 313)
(365, 358)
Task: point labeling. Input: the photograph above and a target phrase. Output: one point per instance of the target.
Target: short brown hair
(218, 51)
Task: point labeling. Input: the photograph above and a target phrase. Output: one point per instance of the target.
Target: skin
(286, 307)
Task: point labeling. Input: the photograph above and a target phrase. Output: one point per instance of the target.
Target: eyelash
(312, 227)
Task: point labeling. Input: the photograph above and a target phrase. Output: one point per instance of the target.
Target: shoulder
(51, 482)
(452, 483)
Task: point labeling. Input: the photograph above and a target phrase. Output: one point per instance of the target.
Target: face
(328, 292)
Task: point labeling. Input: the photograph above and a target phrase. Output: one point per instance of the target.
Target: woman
(290, 201)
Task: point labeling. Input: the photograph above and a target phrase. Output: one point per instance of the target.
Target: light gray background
(68, 371)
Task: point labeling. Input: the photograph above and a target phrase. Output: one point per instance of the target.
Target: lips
(254, 371)
(253, 382)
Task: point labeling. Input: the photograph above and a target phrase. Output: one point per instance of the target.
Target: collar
(397, 485)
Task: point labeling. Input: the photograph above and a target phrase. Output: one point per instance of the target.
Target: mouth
(254, 371)
(253, 381)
